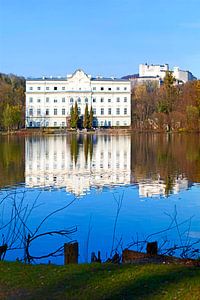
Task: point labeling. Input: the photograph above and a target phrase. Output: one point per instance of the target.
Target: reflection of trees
(166, 157)
(11, 160)
(88, 147)
(74, 147)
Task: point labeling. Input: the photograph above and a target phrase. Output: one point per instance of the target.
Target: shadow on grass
(114, 282)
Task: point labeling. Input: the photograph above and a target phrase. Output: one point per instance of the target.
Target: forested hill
(12, 101)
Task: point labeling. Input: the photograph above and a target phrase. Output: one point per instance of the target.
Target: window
(79, 110)
(47, 99)
(47, 88)
(63, 111)
(86, 100)
(117, 123)
(102, 111)
(55, 100)
(125, 111)
(109, 100)
(125, 88)
(55, 111)
(30, 99)
(102, 100)
(47, 112)
(30, 112)
(94, 111)
(109, 111)
(38, 112)
(71, 100)
(94, 100)
(118, 88)
(79, 100)
(38, 88)
(55, 124)
(63, 88)
(118, 111)
(109, 123)
(31, 88)
(94, 88)
(102, 88)
(118, 99)
(38, 100)
(63, 99)
(125, 99)
(109, 88)
(101, 123)
(63, 124)
(55, 88)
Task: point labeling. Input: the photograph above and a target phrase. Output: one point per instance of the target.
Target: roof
(108, 79)
(66, 79)
(47, 79)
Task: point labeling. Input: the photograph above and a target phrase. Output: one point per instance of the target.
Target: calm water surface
(121, 188)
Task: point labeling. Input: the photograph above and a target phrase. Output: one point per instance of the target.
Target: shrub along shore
(99, 281)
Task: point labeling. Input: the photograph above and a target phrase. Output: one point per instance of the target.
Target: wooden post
(152, 248)
(71, 253)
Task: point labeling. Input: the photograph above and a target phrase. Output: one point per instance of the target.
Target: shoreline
(100, 131)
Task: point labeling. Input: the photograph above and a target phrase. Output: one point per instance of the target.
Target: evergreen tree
(86, 117)
(90, 118)
(72, 123)
(76, 115)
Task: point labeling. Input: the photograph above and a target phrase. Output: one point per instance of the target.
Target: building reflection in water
(151, 188)
(77, 163)
(80, 162)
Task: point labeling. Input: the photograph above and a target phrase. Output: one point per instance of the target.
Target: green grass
(95, 281)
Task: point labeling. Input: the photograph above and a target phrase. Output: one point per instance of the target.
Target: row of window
(63, 124)
(63, 111)
(102, 88)
(79, 100)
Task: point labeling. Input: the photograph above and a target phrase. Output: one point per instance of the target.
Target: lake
(116, 189)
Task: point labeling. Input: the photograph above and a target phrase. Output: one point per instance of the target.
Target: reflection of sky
(98, 179)
(137, 216)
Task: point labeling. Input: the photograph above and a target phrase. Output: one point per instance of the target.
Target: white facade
(49, 100)
(146, 70)
(49, 163)
(183, 76)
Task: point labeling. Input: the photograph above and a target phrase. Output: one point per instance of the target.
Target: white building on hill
(159, 71)
(146, 70)
(49, 100)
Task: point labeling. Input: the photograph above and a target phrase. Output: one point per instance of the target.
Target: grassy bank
(97, 281)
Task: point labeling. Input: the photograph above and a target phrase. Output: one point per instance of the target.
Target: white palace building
(49, 100)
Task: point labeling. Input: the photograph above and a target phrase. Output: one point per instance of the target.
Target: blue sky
(104, 37)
